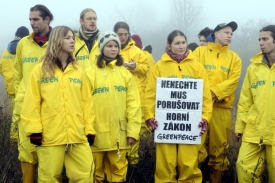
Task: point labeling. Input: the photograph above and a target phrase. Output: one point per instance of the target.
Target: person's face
(68, 43)
(89, 21)
(266, 42)
(179, 45)
(203, 41)
(224, 36)
(123, 35)
(39, 26)
(110, 50)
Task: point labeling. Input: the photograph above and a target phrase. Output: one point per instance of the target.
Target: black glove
(36, 139)
(91, 139)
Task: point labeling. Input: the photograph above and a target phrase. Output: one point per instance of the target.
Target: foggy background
(153, 20)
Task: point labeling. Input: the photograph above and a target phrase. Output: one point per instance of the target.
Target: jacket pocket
(250, 119)
(52, 128)
(122, 124)
(123, 133)
(79, 124)
(101, 127)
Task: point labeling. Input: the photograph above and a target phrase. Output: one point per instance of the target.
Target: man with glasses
(86, 45)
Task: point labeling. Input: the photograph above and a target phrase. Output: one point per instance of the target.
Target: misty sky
(15, 13)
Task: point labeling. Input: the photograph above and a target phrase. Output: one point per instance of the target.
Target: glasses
(91, 18)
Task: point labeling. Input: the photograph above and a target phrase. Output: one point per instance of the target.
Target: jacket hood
(12, 46)
(129, 44)
(217, 47)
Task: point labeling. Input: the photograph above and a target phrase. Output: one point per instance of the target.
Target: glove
(153, 123)
(36, 139)
(203, 124)
(91, 139)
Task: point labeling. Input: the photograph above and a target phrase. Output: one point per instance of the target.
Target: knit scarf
(88, 36)
(176, 57)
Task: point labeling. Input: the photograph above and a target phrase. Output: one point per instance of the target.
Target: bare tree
(186, 15)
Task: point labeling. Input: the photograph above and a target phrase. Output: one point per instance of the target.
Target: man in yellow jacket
(7, 71)
(224, 69)
(28, 53)
(86, 45)
(255, 117)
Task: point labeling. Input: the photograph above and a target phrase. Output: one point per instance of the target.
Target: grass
(10, 171)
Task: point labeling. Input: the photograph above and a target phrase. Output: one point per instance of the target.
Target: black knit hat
(21, 32)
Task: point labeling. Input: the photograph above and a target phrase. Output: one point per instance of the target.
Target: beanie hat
(21, 32)
(232, 24)
(105, 37)
(192, 46)
(138, 41)
(148, 48)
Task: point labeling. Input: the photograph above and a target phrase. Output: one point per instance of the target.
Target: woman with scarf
(181, 159)
(117, 110)
(86, 46)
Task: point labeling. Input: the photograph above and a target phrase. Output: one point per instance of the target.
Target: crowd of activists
(82, 100)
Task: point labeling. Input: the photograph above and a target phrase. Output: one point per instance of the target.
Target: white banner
(178, 110)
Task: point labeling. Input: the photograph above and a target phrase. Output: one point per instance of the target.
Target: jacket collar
(217, 47)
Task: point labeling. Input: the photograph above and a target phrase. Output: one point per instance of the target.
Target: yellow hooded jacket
(223, 67)
(188, 68)
(58, 107)
(255, 116)
(131, 52)
(7, 71)
(83, 58)
(151, 63)
(116, 105)
(28, 54)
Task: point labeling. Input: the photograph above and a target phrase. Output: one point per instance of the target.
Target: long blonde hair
(54, 50)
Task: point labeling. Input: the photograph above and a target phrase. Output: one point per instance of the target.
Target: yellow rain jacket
(136, 54)
(82, 55)
(151, 63)
(255, 116)
(7, 69)
(223, 69)
(168, 68)
(58, 107)
(28, 54)
(116, 105)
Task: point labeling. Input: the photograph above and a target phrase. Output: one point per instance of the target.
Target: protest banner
(178, 110)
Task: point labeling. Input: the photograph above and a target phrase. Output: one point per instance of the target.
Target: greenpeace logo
(257, 84)
(85, 57)
(227, 70)
(75, 80)
(49, 80)
(10, 57)
(173, 76)
(210, 67)
(30, 60)
(187, 77)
